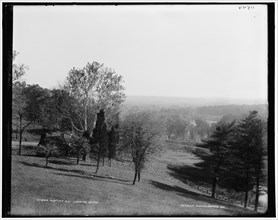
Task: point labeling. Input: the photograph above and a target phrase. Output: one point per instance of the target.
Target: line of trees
(237, 156)
(71, 108)
(101, 143)
(86, 109)
(177, 127)
(27, 101)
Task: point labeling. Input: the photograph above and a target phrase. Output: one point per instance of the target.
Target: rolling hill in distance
(206, 108)
(164, 101)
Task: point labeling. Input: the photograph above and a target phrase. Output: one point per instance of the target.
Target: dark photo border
(7, 42)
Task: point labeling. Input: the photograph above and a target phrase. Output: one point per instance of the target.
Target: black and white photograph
(138, 109)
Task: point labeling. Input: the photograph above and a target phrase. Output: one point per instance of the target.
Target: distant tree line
(194, 124)
(179, 128)
(220, 110)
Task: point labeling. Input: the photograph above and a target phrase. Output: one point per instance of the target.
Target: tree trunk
(257, 191)
(84, 156)
(98, 159)
(85, 118)
(46, 160)
(66, 151)
(246, 198)
(103, 161)
(135, 176)
(139, 176)
(20, 135)
(20, 143)
(77, 158)
(246, 188)
(258, 178)
(213, 189)
(257, 199)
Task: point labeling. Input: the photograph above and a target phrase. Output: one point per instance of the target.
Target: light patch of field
(15, 144)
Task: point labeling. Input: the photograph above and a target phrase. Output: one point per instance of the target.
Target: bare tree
(27, 105)
(138, 135)
(19, 113)
(18, 69)
(19, 98)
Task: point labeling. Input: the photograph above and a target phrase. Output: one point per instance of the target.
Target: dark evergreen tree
(99, 138)
(103, 142)
(112, 143)
(259, 168)
(247, 154)
(219, 147)
(259, 159)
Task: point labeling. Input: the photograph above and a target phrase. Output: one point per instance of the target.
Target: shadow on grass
(35, 165)
(59, 162)
(31, 155)
(97, 178)
(181, 191)
(80, 173)
(62, 160)
(199, 175)
(203, 198)
(92, 165)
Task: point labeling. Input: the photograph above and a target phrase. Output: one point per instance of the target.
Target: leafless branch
(72, 123)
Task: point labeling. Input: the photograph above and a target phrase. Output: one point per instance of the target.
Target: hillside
(209, 109)
(163, 101)
(68, 189)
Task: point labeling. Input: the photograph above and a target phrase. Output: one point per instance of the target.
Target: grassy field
(65, 188)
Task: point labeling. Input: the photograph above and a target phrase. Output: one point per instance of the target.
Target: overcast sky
(191, 51)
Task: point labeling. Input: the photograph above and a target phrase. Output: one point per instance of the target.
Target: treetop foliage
(237, 152)
(18, 69)
(218, 144)
(96, 85)
(139, 133)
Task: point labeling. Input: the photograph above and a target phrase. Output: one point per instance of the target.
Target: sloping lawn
(64, 188)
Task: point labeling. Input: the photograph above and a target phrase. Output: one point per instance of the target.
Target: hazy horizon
(193, 97)
(191, 101)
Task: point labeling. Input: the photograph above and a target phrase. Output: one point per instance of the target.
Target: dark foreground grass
(64, 188)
